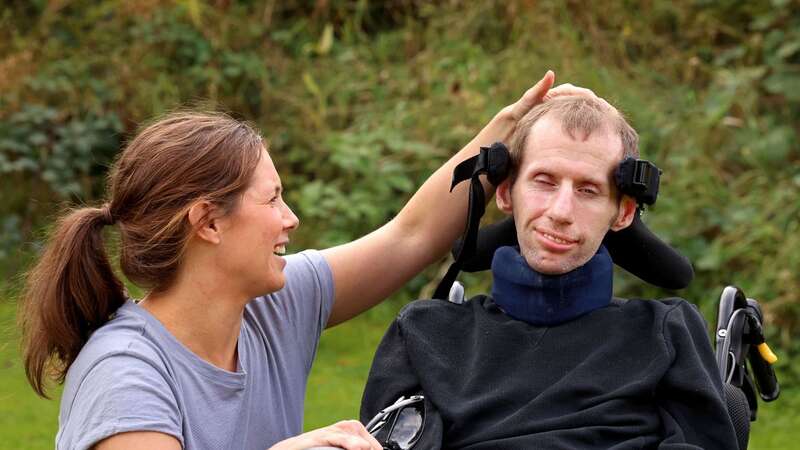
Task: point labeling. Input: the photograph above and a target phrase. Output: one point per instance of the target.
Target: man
(550, 359)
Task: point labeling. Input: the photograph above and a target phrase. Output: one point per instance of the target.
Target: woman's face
(255, 234)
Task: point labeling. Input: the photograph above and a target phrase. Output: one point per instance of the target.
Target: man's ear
(203, 223)
(627, 210)
(503, 196)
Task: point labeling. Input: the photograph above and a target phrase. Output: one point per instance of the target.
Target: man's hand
(348, 435)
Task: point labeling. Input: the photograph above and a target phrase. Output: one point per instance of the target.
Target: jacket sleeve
(392, 376)
(690, 395)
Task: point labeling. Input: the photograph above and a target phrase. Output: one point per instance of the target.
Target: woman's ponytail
(70, 292)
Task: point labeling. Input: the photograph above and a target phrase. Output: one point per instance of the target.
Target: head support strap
(492, 161)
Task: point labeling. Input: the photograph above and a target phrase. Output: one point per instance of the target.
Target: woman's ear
(503, 196)
(203, 222)
(627, 209)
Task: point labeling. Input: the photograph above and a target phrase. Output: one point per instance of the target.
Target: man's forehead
(550, 133)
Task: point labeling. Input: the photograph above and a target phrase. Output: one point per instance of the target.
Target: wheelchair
(743, 358)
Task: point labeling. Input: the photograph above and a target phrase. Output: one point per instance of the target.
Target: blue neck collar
(545, 300)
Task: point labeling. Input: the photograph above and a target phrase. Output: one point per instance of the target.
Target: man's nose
(562, 205)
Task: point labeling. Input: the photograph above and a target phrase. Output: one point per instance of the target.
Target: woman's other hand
(348, 435)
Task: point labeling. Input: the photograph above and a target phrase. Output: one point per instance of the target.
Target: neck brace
(545, 300)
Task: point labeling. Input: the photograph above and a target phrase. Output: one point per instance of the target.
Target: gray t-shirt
(133, 375)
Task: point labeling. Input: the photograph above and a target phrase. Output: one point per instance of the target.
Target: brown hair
(577, 114)
(180, 159)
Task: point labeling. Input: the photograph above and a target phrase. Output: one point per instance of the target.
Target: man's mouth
(555, 242)
(279, 250)
(557, 239)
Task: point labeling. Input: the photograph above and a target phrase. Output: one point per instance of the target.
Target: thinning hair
(580, 117)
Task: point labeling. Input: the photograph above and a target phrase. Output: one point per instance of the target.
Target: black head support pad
(639, 179)
(635, 248)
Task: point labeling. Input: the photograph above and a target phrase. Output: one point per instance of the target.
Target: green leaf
(326, 41)
(788, 49)
(311, 85)
(784, 83)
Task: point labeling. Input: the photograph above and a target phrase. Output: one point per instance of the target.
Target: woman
(217, 354)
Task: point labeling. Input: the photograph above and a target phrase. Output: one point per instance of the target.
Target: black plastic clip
(640, 179)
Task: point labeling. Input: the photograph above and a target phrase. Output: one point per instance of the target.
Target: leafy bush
(360, 101)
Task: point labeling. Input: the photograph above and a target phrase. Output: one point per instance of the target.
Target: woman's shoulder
(306, 297)
(113, 388)
(128, 330)
(125, 336)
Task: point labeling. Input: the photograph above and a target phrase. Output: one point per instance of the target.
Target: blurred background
(361, 100)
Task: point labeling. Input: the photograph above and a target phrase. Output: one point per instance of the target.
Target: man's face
(563, 199)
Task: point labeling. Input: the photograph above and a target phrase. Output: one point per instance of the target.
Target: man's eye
(543, 182)
(589, 191)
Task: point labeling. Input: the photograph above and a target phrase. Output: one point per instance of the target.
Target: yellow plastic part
(766, 353)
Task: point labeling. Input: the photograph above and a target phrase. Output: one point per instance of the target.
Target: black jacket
(634, 374)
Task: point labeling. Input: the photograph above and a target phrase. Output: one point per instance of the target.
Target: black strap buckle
(640, 179)
(492, 161)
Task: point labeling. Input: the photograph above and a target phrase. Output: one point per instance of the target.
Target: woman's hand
(532, 97)
(348, 434)
(540, 92)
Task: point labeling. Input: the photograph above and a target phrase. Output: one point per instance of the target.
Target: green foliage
(67, 154)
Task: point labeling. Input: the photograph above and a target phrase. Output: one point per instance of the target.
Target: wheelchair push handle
(740, 337)
(761, 359)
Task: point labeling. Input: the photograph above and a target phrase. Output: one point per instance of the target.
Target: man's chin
(550, 266)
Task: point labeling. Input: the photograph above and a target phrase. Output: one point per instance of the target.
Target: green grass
(342, 365)
(334, 390)
(26, 421)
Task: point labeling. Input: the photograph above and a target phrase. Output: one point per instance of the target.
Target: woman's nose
(290, 220)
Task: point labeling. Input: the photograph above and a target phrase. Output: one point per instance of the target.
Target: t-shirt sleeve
(690, 397)
(302, 308)
(121, 393)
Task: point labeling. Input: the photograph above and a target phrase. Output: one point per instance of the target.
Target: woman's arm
(371, 268)
(139, 440)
